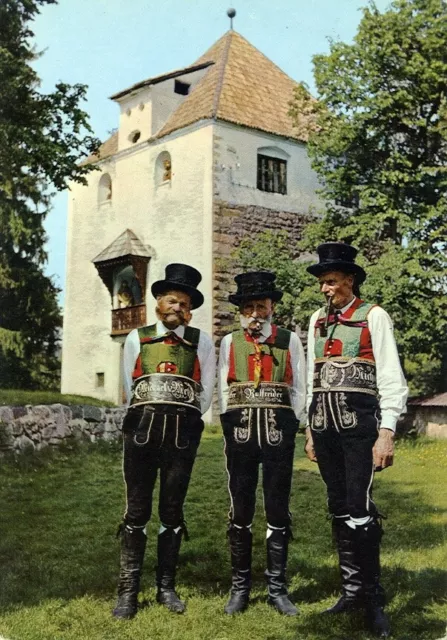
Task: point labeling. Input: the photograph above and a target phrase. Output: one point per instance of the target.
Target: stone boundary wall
(39, 426)
(231, 224)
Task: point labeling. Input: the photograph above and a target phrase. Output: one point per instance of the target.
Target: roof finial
(231, 13)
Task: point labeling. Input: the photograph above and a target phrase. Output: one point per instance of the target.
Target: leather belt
(166, 388)
(345, 374)
(265, 395)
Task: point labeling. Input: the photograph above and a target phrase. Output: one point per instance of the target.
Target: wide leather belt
(166, 388)
(345, 374)
(266, 395)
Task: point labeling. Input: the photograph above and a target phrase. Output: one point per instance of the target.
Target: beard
(171, 319)
(254, 326)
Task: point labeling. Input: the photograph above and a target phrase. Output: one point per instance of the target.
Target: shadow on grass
(59, 517)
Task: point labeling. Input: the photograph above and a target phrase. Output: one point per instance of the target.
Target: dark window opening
(272, 174)
(181, 87)
(100, 380)
(135, 136)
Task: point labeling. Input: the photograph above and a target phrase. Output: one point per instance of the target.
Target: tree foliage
(379, 146)
(43, 137)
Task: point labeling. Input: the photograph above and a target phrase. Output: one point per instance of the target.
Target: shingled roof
(242, 86)
(127, 244)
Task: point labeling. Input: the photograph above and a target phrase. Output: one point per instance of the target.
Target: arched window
(105, 189)
(163, 168)
(272, 170)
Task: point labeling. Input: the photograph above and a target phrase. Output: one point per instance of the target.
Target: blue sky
(111, 44)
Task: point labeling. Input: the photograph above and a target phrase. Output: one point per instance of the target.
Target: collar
(265, 333)
(348, 306)
(162, 329)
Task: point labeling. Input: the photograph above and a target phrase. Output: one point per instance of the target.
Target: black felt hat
(337, 256)
(255, 285)
(180, 277)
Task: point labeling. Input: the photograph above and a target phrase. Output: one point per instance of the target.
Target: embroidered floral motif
(273, 435)
(243, 431)
(347, 418)
(319, 416)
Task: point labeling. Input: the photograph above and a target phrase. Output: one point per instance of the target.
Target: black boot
(240, 547)
(277, 547)
(368, 540)
(168, 551)
(350, 570)
(133, 545)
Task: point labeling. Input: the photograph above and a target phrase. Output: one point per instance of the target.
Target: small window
(100, 378)
(272, 174)
(181, 87)
(135, 136)
(105, 189)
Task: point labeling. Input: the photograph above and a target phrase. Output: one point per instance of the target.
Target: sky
(111, 44)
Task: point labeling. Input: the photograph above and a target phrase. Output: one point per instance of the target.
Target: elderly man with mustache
(169, 372)
(356, 392)
(261, 382)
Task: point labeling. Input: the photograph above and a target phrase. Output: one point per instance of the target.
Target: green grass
(21, 397)
(59, 556)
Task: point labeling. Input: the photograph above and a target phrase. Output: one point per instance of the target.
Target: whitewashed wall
(236, 150)
(174, 219)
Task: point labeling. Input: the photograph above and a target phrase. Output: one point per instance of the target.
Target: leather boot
(277, 548)
(168, 549)
(133, 545)
(240, 546)
(368, 540)
(350, 570)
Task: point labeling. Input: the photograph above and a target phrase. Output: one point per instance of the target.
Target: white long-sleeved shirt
(297, 361)
(205, 354)
(391, 384)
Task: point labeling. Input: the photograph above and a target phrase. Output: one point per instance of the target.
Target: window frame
(271, 174)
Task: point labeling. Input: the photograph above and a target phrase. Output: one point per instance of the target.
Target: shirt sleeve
(391, 384)
(130, 355)
(298, 363)
(311, 358)
(222, 374)
(207, 361)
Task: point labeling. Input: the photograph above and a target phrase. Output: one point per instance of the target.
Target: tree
(379, 146)
(43, 137)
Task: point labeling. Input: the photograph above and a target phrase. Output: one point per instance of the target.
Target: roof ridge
(220, 79)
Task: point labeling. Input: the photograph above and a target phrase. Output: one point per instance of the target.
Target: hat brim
(338, 265)
(162, 286)
(275, 296)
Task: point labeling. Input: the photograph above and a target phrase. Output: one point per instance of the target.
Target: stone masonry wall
(40, 426)
(232, 223)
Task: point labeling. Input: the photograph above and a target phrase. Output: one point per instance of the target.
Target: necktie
(257, 363)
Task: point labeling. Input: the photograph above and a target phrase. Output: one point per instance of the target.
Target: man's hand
(383, 450)
(309, 446)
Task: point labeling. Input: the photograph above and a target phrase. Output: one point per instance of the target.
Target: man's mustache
(164, 315)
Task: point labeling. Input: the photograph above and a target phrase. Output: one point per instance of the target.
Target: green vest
(242, 349)
(181, 354)
(349, 336)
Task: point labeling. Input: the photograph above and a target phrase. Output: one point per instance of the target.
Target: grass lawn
(59, 556)
(21, 397)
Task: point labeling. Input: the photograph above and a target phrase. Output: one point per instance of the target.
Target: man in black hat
(356, 392)
(169, 372)
(261, 382)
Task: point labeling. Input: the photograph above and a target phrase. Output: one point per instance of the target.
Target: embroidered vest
(277, 348)
(154, 352)
(349, 337)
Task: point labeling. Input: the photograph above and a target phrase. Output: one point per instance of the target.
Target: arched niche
(105, 189)
(163, 168)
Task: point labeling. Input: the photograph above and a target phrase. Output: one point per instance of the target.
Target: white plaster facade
(173, 218)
